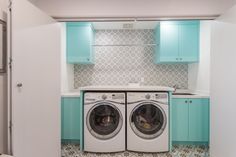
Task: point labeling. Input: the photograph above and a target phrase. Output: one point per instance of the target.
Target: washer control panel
(147, 96)
(161, 96)
(91, 97)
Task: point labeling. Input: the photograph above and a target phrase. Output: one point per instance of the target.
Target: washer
(147, 121)
(104, 122)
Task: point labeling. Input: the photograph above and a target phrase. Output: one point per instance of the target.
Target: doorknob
(19, 84)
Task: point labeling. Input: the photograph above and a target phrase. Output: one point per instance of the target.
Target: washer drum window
(148, 120)
(104, 121)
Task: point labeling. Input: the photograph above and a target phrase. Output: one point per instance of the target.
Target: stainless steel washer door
(104, 120)
(148, 120)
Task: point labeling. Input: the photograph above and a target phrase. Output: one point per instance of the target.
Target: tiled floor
(72, 150)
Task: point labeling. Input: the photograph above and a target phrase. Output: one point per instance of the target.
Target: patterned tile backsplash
(119, 65)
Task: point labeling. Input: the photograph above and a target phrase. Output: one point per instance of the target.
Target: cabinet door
(199, 120)
(169, 42)
(35, 82)
(70, 127)
(79, 43)
(189, 42)
(180, 120)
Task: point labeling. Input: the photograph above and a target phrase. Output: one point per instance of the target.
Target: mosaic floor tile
(73, 150)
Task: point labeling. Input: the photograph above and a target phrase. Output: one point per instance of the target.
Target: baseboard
(70, 141)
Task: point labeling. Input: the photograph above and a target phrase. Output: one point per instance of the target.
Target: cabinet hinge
(10, 126)
(10, 63)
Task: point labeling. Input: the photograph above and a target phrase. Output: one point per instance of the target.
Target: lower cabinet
(190, 120)
(70, 119)
(180, 122)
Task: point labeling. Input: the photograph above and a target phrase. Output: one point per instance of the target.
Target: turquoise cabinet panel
(190, 120)
(70, 118)
(177, 41)
(79, 43)
(169, 39)
(199, 120)
(180, 120)
(189, 42)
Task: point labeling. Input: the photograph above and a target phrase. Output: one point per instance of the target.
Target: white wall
(3, 96)
(223, 77)
(199, 73)
(3, 5)
(132, 8)
(229, 16)
(67, 70)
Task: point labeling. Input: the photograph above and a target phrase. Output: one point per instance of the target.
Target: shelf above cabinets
(127, 45)
(177, 41)
(79, 43)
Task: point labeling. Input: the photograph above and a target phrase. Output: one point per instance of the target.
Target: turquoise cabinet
(167, 48)
(189, 42)
(177, 41)
(199, 120)
(180, 121)
(190, 120)
(70, 118)
(79, 43)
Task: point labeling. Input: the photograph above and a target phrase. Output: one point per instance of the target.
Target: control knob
(148, 96)
(104, 97)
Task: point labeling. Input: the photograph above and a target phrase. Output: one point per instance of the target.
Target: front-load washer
(147, 121)
(104, 122)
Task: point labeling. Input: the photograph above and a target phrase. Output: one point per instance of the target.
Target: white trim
(158, 18)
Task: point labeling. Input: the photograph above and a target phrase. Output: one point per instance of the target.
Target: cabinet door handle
(190, 101)
(87, 59)
(180, 59)
(177, 58)
(186, 101)
(19, 85)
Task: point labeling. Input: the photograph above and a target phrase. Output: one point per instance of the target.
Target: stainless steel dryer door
(148, 120)
(104, 120)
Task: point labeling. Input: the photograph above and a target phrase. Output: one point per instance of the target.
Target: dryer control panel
(147, 96)
(91, 97)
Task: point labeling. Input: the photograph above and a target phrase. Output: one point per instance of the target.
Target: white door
(35, 87)
(223, 77)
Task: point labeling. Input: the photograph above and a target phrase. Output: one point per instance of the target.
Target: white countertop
(195, 94)
(191, 96)
(76, 92)
(70, 94)
(127, 88)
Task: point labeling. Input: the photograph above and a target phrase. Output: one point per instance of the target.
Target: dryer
(104, 122)
(147, 121)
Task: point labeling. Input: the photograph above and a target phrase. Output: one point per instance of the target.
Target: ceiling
(133, 8)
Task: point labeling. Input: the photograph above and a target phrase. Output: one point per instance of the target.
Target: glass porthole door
(148, 120)
(104, 121)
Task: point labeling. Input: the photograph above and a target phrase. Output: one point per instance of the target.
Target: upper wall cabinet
(177, 41)
(79, 40)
